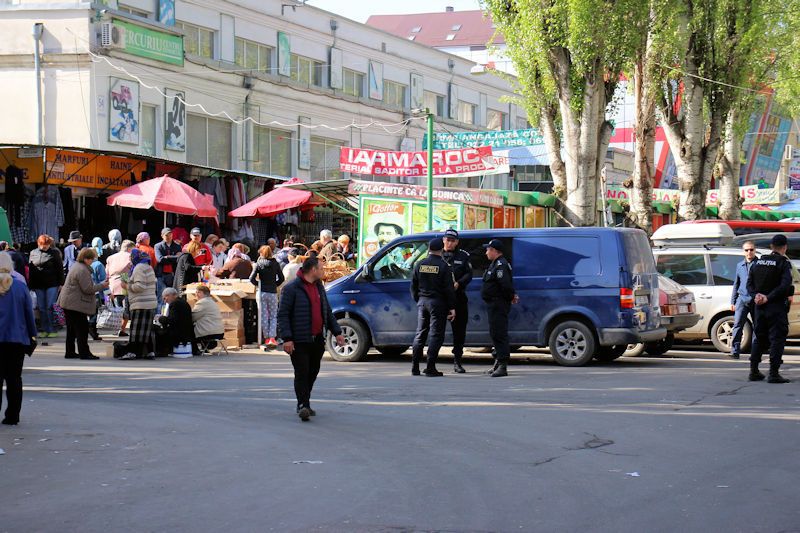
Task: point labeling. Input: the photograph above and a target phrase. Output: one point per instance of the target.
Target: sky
(360, 11)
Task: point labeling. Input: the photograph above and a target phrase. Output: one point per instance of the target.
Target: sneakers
(755, 375)
(501, 371)
(733, 355)
(458, 369)
(272, 343)
(121, 333)
(432, 373)
(310, 411)
(777, 378)
(151, 356)
(128, 356)
(304, 413)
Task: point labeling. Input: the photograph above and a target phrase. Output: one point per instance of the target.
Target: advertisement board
(78, 169)
(123, 118)
(284, 54)
(175, 120)
(420, 192)
(750, 194)
(477, 161)
(153, 44)
(477, 217)
(496, 139)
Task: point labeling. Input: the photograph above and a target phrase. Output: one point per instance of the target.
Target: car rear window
(638, 252)
(557, 256)
(686, 269)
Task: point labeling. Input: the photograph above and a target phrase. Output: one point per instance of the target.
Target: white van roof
(706, 234)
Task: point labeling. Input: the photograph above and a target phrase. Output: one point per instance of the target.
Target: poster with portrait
(123, 116)
(376, 80)
(476, 217)
(381, 222)
(175, 120)
(166, 12)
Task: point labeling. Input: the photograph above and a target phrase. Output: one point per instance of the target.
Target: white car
(701, 258)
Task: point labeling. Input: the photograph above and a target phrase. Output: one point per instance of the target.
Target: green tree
(569, 55)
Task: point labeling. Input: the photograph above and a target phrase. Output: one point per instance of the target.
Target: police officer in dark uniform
(770, 285)
(432, 289)
(458, 260)
(498, 293)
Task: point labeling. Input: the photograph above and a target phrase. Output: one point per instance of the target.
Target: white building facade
(116, 78)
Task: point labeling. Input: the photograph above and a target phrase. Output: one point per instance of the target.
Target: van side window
(723, 268)
(398, 262)
(686, 269)
(477, 254)
(557, 256)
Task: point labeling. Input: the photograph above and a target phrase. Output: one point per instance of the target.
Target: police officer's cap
(779, 240)
(497, 244)
(436, 245)
(451, 234)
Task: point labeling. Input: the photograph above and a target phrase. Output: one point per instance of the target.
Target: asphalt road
(681, 443)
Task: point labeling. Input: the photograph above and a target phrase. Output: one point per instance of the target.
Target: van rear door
(640, 275)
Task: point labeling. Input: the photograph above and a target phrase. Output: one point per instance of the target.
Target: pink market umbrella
(168, 195)
(274, 202)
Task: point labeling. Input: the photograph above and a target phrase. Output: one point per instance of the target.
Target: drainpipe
(38, 29)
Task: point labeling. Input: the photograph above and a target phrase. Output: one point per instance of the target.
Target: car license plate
(683, 309)
(642, 300)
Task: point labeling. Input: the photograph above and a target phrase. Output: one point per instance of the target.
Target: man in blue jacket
(304, 315)
(741, 301)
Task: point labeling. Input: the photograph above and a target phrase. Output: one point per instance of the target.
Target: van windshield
(638, 252)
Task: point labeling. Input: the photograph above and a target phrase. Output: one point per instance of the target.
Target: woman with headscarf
(97, 244)
(78, 301)
(143, 303)
(114, 244)
(117, 268)
(17, 331)
(238, 265)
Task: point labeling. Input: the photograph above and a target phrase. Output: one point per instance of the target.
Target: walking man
(770, 285)
(741, 302)
(498, 293)
(458, 260)
(432, 289)
(304, 315)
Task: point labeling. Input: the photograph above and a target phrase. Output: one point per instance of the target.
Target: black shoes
(777, 378)
(755, 375)
(432, 373)
(501, 371)
(304, 413)
(94, 334)
(494, 368)
(89, 357)
(311, 412)
(733, 355)
(72, 356)
(458, 369)
(10, 421)
(415, 370)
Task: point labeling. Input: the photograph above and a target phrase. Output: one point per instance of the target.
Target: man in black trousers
(458, 260)
(304, 315)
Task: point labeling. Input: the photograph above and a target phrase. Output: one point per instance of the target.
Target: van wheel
(722, 335)
(392, 351)
(356, 342)
(634, 350)
(661, 347)
(609, 353)
(572, 343)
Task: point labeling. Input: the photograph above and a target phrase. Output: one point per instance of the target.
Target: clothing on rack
(20, 228)
(47, 212)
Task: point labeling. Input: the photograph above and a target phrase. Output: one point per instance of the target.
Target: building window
(535, 173)
(209, 142)
(466, 112)
(147, 144)
(274, 155)
(522, 123)
(306, 71)
(353, 83)
(197, 41)
(495, 120)
(450, 37)
(455, 27)
(325, 158)
(416, 29)
(394, 94)
(252, 55)
(133, 11)
(434, 102)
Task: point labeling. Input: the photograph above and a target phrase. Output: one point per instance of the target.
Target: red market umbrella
(166, 194)
(274, 202)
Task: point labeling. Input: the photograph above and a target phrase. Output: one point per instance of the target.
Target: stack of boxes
(228, 294)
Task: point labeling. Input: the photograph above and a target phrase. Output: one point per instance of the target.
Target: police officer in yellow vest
(432, 287)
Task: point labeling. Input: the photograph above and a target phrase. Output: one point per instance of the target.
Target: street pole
(430, 169)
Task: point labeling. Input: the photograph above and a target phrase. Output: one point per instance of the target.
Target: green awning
(515, 198)
(542, 199)
(615, 206)
(664, 208)
(712, 211)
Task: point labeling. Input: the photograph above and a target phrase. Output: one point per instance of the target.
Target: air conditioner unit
(787, 152)
(111, 36)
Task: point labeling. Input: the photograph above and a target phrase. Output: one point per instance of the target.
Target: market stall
(231, 297)
(167, 195)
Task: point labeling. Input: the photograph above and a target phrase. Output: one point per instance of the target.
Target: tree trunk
(730, 207)
(552, 141)
(644, 155)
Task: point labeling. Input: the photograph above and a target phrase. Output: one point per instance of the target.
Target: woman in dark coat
(186, 270)
(46, 273)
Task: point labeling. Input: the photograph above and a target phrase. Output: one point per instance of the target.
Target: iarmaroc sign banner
(152, 44)
(464, 162)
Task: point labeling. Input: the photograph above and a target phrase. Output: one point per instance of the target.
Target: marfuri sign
(420, 192)
(465, 162)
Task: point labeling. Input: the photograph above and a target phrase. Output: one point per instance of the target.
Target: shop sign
(32, 167)
(751, 194)
(455, 163)
(78, 169)
(420, 192)
(152, 44)
(794, 170)
(382, 220)
(495, 139)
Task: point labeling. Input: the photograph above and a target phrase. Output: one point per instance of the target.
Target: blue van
(584, 293)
